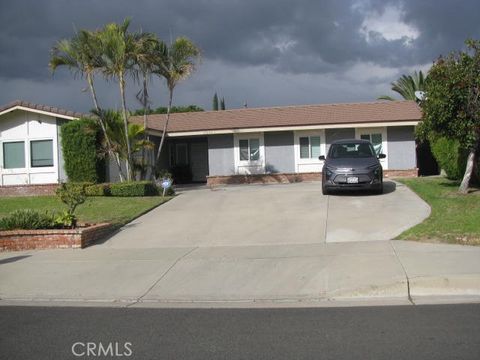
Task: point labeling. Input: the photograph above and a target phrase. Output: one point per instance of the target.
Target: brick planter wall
(286, 178)
(15, 240)
(28, 190)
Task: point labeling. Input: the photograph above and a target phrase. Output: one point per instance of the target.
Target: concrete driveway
(290, 214)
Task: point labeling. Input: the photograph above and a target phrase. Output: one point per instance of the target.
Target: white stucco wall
(20, 125)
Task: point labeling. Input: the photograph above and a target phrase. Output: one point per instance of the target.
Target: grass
(115, 210)
(455, 218)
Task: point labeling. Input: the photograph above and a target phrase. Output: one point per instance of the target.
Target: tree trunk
(103, 126)
(468, 172)
(165, 127)
(128, 163)
(143, 172)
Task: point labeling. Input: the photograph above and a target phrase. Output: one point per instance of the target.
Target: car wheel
(324, 190)
(379, 191)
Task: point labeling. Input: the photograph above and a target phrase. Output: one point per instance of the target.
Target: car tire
(324, 190)
(379, 191)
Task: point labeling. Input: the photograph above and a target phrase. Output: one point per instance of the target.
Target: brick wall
(28, 190)
(15, 240)
(284, 178)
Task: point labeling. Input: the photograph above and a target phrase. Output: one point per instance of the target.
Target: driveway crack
(326, 219)
(162, 276)
(405, 273)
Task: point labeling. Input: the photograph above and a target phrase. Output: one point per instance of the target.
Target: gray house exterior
(282, 143)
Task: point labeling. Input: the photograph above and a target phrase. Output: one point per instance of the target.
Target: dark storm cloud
(287, 37)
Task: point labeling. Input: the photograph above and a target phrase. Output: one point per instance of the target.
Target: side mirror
(321, 157)
(382, 156)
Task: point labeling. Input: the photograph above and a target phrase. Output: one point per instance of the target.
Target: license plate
(352, 180)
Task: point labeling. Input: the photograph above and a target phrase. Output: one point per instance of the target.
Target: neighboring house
(30, 150)
(221, 145)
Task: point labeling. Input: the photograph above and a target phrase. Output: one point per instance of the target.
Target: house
(275, 144)
(30, 150)
(282, 143)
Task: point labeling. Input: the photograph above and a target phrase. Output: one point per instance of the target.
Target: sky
(262, 52)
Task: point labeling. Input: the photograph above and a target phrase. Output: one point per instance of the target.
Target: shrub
(134, 188)
(71, 195)
(451, 157)
(27, 219)
(98, 190)
(81, 140)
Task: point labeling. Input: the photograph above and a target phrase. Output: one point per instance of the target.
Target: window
(14, 155)
(41, 152)
(249, 149)
(375, 139)
(309, 147)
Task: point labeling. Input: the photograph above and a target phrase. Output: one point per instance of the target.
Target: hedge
(450, 157)
(81, 140)
(133, 188)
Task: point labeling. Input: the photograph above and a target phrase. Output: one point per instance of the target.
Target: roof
(286, 116)
(25, 105)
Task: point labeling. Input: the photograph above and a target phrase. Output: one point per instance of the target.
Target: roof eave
(287, 128)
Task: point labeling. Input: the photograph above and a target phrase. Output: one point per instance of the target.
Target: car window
(351, 150)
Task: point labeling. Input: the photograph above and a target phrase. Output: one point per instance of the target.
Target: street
(388, 332)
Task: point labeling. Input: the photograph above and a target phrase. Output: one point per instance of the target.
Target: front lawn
(455, 218)
(116, 210)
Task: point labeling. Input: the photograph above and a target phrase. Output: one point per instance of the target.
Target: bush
(98, 190)
(72, 195)
(81, 140)
(27, 219)
(451, 157)
(134, 188)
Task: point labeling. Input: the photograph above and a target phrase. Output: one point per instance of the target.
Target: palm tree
(116, 131)
(407, 85)
(82, 56)
(175, 63)
(118, 48)
(146, 50)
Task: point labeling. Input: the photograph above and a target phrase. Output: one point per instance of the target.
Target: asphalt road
(401, 332)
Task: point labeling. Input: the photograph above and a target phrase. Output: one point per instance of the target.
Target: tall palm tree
(118, 47)
(406, 86)
(147, 47)
(82, 56)
(175, 63)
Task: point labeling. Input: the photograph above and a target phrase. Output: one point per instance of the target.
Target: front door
(199, 161)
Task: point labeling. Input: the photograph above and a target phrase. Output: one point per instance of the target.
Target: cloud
(269, 51)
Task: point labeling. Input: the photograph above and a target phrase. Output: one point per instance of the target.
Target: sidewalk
(398, 270)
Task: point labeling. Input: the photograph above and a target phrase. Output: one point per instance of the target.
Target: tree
(146, 47)
(135, 136)
(452, 105)
(406, 86)
(118, 54)
(215, 102)
(82, 55)
(175, 63)
(174, 109)
(222, 104)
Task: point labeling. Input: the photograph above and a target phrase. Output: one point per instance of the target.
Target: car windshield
(351, 150)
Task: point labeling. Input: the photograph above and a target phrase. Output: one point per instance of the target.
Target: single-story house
(30, 143)
(230, 146)
(282, 143)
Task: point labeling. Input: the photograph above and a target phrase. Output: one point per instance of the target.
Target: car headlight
(329, 171)
(377, 170)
